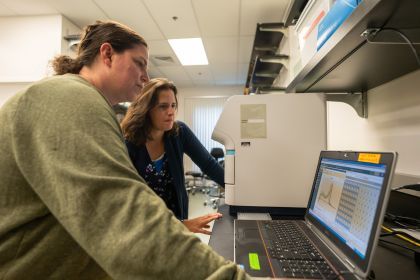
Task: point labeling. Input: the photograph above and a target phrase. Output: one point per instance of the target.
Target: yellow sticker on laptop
(254, 262)
(372, 158)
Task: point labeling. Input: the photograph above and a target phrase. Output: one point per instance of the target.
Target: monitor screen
(345, 200)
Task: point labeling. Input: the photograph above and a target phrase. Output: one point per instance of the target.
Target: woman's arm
(201, 224)
(198, 153)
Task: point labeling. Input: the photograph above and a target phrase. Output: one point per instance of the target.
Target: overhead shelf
(295, 11)
(266, 69)
(362, 53)
(265, 64)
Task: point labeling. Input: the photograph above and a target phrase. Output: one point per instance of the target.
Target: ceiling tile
(203, 83)
(154, 72)
(217, 18)
(135, 16)
(245, 48)
(160, 47)
(80, 12)
(226, 83)
(199, 73)
(174, 73)
(261, 11)
(163, 11)
(161, 54)
(224, 73)
(6, 11)
(221, 50)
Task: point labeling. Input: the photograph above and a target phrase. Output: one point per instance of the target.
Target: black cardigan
(175, 147)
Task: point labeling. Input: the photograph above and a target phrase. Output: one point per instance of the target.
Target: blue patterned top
(159, 179)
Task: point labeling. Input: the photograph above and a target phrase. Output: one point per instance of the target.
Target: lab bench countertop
(390, 262)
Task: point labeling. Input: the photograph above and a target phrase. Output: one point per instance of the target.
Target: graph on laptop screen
(345, 200)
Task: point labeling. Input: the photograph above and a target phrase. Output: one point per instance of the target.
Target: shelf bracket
(73, 41)
(276, 59)
(357, 100)
(279, 59)
(274, 27)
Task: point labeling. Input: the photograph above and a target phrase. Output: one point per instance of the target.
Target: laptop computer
(338, 236)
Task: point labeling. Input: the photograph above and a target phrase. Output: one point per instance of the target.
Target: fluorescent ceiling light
(189, 51)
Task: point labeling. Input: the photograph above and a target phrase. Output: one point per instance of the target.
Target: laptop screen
(346, 202)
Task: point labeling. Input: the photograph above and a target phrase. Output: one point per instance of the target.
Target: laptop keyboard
(297, 256)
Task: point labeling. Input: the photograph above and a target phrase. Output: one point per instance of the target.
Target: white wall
(7, 90)
(27, 45)
(393, 123)
(204, 92)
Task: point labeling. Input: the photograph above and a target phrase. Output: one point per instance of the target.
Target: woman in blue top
(156, 144)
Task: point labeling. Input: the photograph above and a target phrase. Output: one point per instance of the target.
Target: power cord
(414, 187)
(371, 33)
(396, 232)
(403, 235)
(403, 221)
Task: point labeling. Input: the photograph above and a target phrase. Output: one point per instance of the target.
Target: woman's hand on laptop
(201, 224)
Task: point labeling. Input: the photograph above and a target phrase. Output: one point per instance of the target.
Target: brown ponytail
(65, 64)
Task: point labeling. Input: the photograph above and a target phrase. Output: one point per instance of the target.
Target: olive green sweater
(72, 206)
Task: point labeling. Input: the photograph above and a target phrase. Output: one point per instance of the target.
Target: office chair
(196, 181)
(194, 184)
(219, 155)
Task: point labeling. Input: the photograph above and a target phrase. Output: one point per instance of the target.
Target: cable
(395, 232)
(402, 235)
(396, 244)
(415, 187)
(403, 221)
(402, 35)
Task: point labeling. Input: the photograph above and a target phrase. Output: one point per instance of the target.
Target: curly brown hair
(137, 125)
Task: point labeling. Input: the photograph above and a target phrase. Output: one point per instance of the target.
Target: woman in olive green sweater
(72, 206)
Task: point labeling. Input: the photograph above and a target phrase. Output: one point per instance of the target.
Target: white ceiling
(227, 28)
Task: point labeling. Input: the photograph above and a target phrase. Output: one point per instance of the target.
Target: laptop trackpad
(249, 250)
(251, 234)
